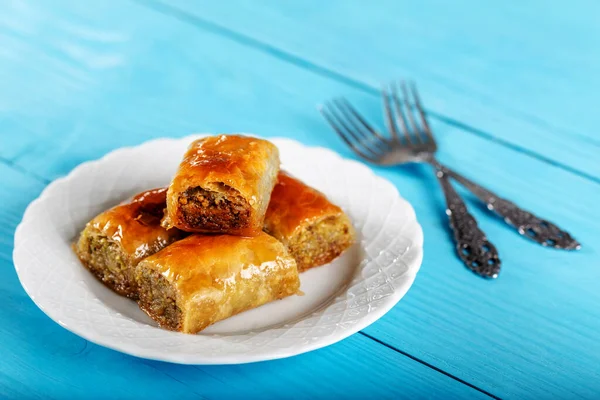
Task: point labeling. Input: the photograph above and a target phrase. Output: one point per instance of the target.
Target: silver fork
(412, 140)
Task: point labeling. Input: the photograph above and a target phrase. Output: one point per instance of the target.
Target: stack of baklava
(230, 233)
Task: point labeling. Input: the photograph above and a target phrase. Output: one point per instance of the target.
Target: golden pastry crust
(223, 185)
(113, 243)
(314, 230)
(203, 279)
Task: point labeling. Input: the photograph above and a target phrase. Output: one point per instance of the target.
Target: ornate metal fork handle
(472, 246)
(526, 223)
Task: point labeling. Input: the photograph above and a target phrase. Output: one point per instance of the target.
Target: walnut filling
(157, 298)
(319, 243)
(106, 261)
(213, 211)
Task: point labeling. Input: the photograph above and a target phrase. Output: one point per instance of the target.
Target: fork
(411, 141)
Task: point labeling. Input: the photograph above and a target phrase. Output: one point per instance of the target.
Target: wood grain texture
(40, 359)
(524, 74)
(85, 79)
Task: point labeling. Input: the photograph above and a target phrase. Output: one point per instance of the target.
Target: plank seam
(24, 171)
(273, 51)
(425, 363)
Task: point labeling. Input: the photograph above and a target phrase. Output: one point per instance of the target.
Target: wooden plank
(525, 75)
(40, 359)
(173, 79)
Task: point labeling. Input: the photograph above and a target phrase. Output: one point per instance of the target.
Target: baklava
(223, 185)
(314, 230)
(203, 279)
(113, 243)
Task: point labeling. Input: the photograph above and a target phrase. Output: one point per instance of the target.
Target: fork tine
(347, 125)
(362, 134)
(417, 101)
(389, 120)
(417, 132)
(400, 117)
(339, 129)
(353, 115)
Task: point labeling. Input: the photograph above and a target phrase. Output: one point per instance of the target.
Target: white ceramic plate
(340, 298)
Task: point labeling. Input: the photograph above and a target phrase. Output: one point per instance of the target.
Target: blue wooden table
(512, 90)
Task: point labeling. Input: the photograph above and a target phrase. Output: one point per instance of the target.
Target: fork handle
(472, 246)
(526, 223)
